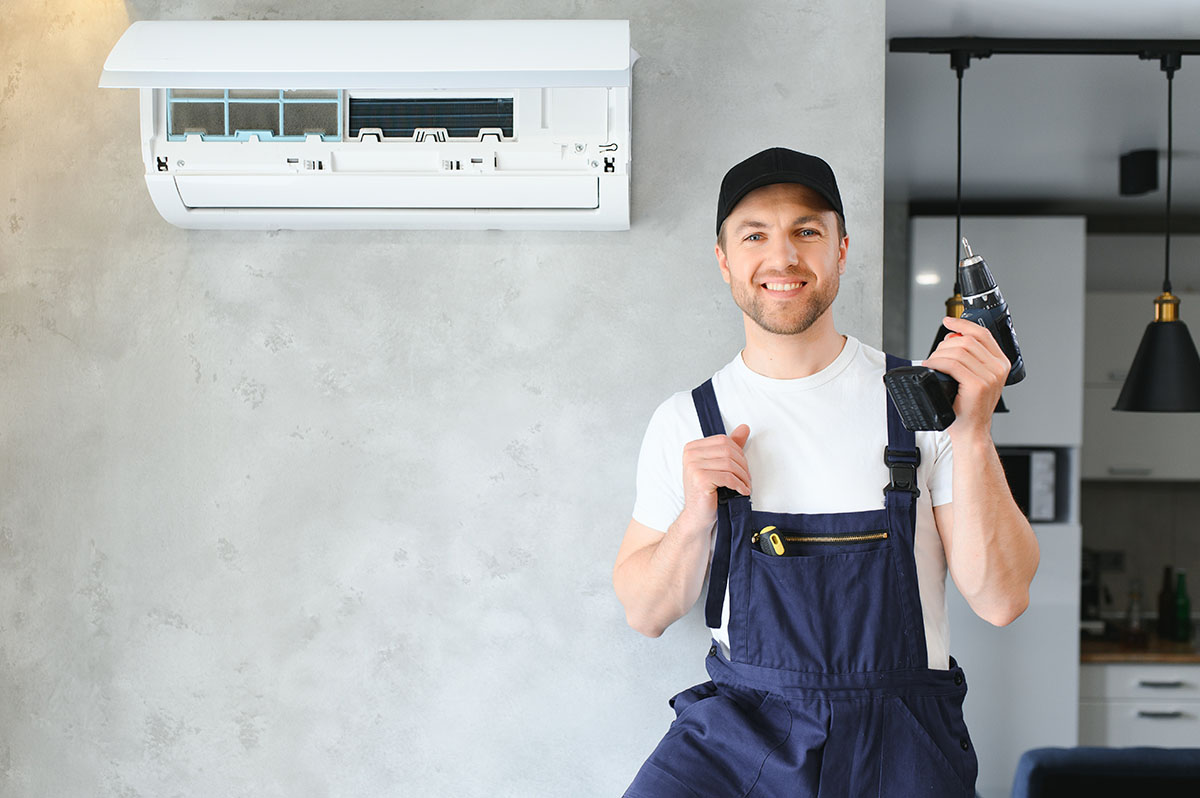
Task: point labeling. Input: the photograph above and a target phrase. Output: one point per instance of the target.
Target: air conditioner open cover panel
(388, 191)
(340, 54)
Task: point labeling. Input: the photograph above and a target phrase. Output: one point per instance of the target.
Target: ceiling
(1042, 132)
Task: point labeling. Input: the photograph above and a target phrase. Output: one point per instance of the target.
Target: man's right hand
(718, 461)
(658, 575)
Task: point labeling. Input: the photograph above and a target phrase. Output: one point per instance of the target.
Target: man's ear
(842, 249)
(722, 262)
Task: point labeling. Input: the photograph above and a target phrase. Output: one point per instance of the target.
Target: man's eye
(808, 233)
(754, 237)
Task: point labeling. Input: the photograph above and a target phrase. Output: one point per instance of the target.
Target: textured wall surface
(334, 514)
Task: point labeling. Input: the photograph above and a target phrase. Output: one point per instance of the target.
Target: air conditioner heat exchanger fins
(514, 124)
(401, 117)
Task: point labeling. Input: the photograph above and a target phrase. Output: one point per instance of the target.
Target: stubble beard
(792, 320)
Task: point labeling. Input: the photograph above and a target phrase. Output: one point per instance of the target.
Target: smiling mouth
(784, 286)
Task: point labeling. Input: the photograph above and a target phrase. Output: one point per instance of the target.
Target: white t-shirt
(816, 446)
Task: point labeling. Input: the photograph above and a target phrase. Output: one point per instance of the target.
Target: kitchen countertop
(1155, 651)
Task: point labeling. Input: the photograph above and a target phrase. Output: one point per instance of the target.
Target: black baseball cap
(777, 165)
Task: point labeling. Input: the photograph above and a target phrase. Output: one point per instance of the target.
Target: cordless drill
(925, 397)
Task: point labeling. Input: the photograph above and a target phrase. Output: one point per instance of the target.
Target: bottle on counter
(1183, 609)
(1166, 606)
(1135, 631)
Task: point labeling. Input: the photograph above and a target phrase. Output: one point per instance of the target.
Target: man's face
(783, 258)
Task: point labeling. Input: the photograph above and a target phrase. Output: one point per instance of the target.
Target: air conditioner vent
(463, 118)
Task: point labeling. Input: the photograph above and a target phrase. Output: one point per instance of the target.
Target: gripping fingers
(727, 479)
(719, 469)
(974, 348)
(715, 462)
(974, 339)
(970, 329)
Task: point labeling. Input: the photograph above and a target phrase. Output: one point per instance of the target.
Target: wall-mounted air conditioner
(514, 124)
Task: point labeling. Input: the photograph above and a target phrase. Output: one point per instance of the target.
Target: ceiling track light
(1165, 375)
(986, 47)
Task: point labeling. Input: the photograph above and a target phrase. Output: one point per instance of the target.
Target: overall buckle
(902, 465)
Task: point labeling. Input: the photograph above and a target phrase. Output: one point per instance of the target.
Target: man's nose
(784, 251)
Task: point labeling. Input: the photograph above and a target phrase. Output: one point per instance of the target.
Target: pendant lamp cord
(1170, 150)
(958, 183)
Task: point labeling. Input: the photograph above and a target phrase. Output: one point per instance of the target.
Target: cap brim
(795, 178)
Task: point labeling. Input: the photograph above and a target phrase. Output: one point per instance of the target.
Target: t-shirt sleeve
(941, 475)
(660, 463)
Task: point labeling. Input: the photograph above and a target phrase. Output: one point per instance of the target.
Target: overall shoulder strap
(709, 412)
(705, 399)
(900, 502)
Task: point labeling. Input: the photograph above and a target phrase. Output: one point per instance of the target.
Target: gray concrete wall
(333, 514)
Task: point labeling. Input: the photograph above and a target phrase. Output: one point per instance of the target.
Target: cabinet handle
(1118, 471)
(1145, 683)
(1145, 713)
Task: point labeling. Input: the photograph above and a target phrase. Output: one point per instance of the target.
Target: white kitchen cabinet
(1038, 263)
(1139, 704)
(1022, 679)
(1113, 329)
(1130, 446)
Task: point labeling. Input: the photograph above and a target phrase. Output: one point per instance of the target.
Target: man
(831, 674)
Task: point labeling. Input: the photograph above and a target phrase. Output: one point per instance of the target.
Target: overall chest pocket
(776, 542)
(825, 601)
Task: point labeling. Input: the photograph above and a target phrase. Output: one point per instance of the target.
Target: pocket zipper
(776, 545)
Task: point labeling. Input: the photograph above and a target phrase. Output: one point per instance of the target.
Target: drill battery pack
(923, 397)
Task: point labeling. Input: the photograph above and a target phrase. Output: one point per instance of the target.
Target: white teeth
(782, 286)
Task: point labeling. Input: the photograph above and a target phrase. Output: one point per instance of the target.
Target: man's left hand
(971, 356)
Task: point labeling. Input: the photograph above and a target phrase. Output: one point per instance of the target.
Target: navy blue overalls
(828, 690)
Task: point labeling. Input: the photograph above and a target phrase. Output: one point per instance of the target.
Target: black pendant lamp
(959, 61)
(1165, 375)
